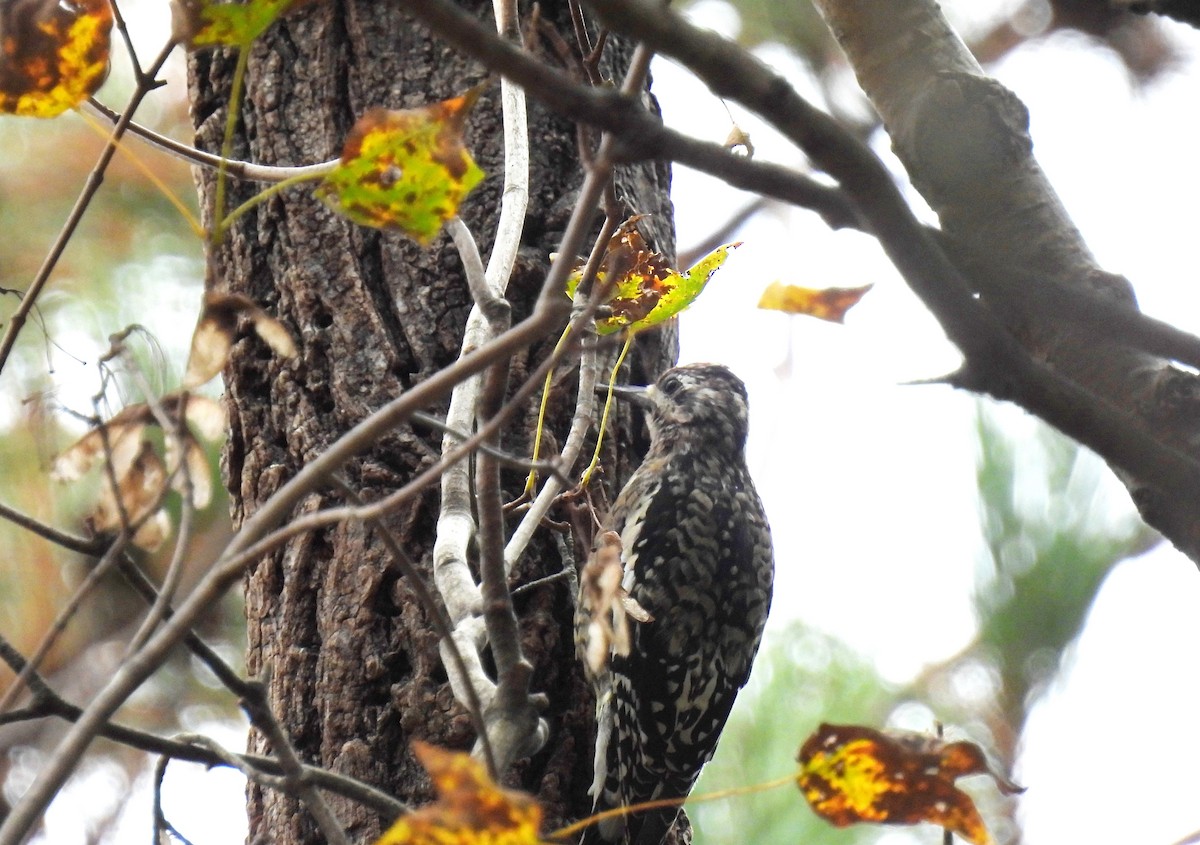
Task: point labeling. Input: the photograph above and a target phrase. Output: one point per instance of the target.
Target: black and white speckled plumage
(697, 551)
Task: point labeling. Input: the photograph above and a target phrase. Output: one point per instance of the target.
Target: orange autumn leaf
(470, 808)
(406, 169)
(53, 55)
(646, 290)
(853, 774)
(828, 304)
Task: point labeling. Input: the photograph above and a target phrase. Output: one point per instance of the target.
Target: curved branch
(638, 134)
(1167, 477)
(246, 170)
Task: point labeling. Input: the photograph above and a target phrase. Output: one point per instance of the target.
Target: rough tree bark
(352, 660)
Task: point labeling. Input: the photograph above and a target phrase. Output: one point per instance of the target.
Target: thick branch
(996, 362)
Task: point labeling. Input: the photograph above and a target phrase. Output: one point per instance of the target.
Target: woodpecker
(697, 557)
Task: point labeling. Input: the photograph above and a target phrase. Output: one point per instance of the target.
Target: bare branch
(91, 548)
(47, 703)
(996, 363)
(262, 717)
(17, 321)
(245, 170)
(640, 134)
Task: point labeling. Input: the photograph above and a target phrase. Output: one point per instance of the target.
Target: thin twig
(71, 542)
(90, 187)
(65, 614)
(508, 459)
(47, 703)
(722, 233)
(471, 695)
(139, 73)
(245, 170)
(174, 430)
(514, 720)
(161, 825)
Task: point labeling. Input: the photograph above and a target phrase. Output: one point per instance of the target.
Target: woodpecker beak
(639, 396)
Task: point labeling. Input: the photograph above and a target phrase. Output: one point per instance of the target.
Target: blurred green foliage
(1050, 540)
(802, 678)
(1049, 535)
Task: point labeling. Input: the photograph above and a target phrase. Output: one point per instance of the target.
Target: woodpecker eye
(671, 384)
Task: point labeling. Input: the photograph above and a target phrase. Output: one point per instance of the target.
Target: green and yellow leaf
(205, 23)
(646, 291)
(406, 169)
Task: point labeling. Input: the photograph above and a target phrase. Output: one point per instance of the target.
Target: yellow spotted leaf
(851, 774)
(827, 304)
(53, 55)
(470, 809)
(207, 23)
(405, 169)
(645, 290)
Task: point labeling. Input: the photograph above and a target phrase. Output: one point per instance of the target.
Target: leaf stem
(531, 480)
(661, 803)
(612, 383)
(231, 118)
(261, 197)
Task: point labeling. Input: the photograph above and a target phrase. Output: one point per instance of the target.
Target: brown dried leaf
(739, 137)
(138, 491)
(153, 532)
(274, 334)
(605, 607)
(206, 417)
(124, 442)
(197, 467)
(216, 331)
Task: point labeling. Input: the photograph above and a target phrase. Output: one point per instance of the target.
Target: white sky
(870, 485)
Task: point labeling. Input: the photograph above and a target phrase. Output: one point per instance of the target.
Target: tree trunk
(351, 657)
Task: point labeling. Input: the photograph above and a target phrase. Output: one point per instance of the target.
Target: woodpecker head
(695, 401)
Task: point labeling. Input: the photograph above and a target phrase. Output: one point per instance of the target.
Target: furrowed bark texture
(352, 659)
